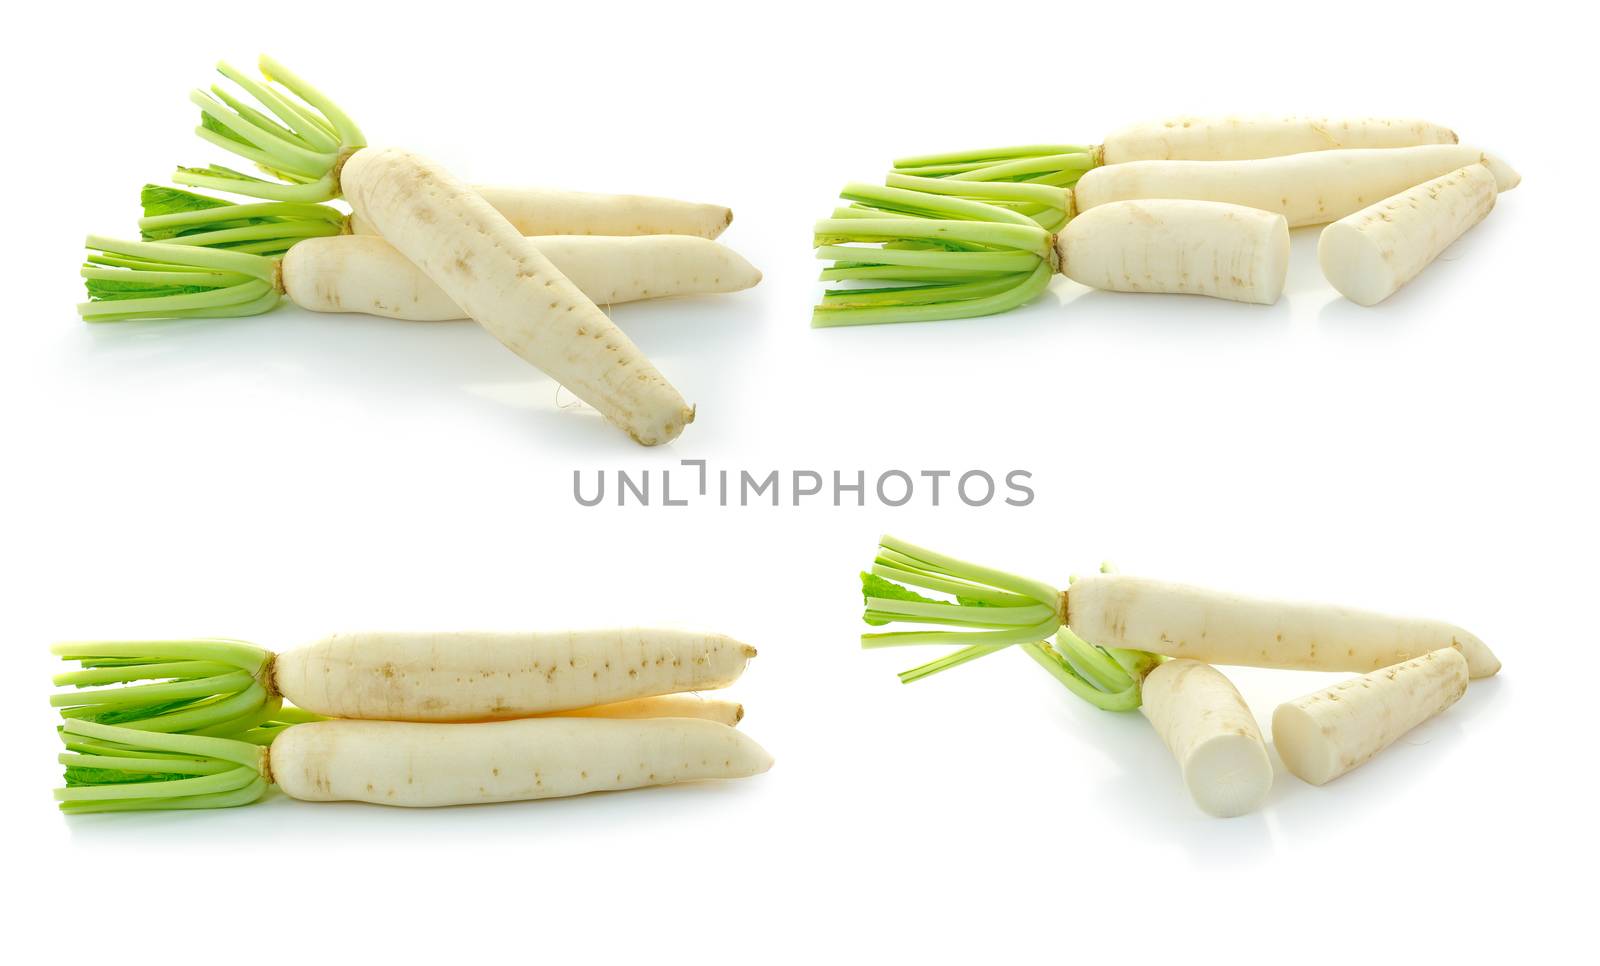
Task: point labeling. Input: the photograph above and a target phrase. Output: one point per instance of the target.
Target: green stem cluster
(1060, 165)
(284, 126)
(992, 610)
(166, 724)
(202, 687)
(199, 257)
(121, 769)
(264, 228)
(933, 251)
(129, 280)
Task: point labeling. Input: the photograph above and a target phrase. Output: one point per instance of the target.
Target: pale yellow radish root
(364, 273)
(1117, 610)
(1209, 730)
(1242, 138)
(728, 713)
(1326, 734)
(419, 765)
(496, 675)
(500, 279)
(1312, 188)
(1369, 255)
(1178, 246)
(550, 211)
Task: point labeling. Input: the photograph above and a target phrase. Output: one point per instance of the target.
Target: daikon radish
(1115, 610)
(548, 211)
(113, 768)
(1323, 735)
(476, 257)
(416, 765)
(729, 713)
(1308, 189)
(223, 687)
(1190, 247)
(1241, 138)
(1212, 734)
(1118, 616)
(364, 273)
(1369, 255)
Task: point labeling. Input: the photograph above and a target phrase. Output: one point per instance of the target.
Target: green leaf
(105, 290)
(114, 716)
(79, 775)
(217, 127)
(163, 200)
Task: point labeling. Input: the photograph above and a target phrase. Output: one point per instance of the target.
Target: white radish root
(1117, 610)
(419, 765)
(724, 712)
(1247, 137)
(549, 211)
(1369, 255)
(1324, 735)
(1178, 246)
(364, 273)
(1308, 189)
(502, 281)
(1212, 734)
(473, 676)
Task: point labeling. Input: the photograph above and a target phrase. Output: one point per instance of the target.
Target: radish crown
(292, 132)
(201, 687)
(995, 610)
(946, 249)
(1060, 165)
(121, 769)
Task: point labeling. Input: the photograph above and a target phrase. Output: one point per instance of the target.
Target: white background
(280, 477)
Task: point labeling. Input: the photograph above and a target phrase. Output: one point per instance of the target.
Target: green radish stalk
(1326, 734)
(212, 686)
(1308, 189)
(1224, 138)
(729, 713)
(364, 273)
(548, 211)
(112, 768)
(314, 152)
(1211, 732)
(1369, 255)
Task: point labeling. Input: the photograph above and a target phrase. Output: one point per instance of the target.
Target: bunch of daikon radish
(1124, 642)
(530, 265)
(1199, 206)
(406, 719)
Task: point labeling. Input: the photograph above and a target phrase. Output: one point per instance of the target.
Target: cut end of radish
(1305, 750)
(1229, 775)
(1355, 265)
